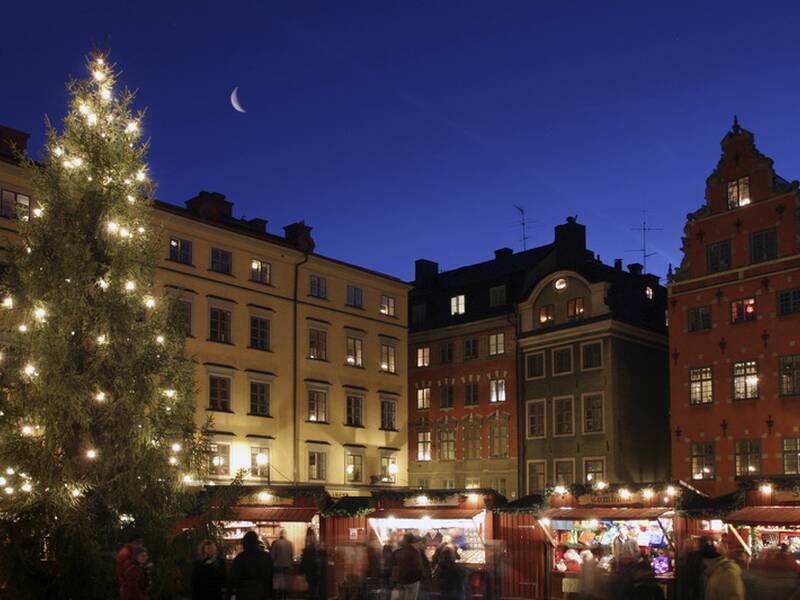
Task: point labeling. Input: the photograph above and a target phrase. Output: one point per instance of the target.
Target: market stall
(268, 522)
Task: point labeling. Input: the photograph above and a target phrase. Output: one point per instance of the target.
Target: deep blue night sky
(402, 130)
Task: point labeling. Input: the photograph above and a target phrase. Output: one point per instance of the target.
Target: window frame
(320, 467)
(317, 343)
(793, 453)
(423, 356)
(741, 198)
(583, 345)
(255, 341)
(178, 242)
(527, 355)
(354, 351)
(706, 457)
(388, 424)
(222, 333)
(473, 444)
(214, 448)
(226, 403)
(576, 308)
(584, 396)
(710, 250)
(563, 460)
(553, 361)
(458, 305)
(319, 408)
(355, 296)
(14, 212)
(424, 449)
(357, 458)
(388, 362)
(447, 396)
(260, 471)
(556, 399)
(496, 293)
(388, 305)
(792, 301)
(497, 388)
(546, 314)
(317, 286)
(528, 404)
(692, 324)
(472, 344)
(386, 460)
(253, 381)
(701, 381)
(739, 307)
(423, 398)
(450, 433)
(743, 457)
(528, 487)
(765, 248)
(497, 343)
(472, 385)
(747, 385)
(354, 410)
(795, 375)
(224, 261)
(587, 459)
(257, 274)
(498, 423)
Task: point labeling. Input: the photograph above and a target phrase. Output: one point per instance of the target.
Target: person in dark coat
(311, 565)
(251, 572)
(136, 579)
(208, 573)
(451, 577)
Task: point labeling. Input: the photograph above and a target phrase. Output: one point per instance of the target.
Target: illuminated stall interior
(267, 522)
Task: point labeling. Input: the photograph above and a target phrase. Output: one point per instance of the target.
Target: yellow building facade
(301, 359)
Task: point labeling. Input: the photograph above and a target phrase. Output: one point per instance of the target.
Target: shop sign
(422, 500)
(609, 498)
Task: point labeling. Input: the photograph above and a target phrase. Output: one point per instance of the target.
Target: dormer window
(575, 308)
(739, 192)
(457, 305)
(546, 314)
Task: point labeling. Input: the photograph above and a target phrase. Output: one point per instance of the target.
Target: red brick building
(734, 315)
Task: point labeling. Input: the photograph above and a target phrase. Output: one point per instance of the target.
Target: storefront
(268, 522)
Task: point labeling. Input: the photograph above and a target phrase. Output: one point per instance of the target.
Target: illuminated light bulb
(422, 499)
(765, 488)
(624, 493)
(255, 265)
(670, 490)
(105, 94)
(112, 227)
(103, 284)
(8, 302)
(2, 480)
(393, 468)
(648, 493)
(140, 176)
(75, 492)
(26, 487)
(218, 461)
(124, 232)
(601, 485)
(141, 230)
(262, 459)
(263, 496)
(77, 161)
(173, 460)
(28, 249)
(169, 393)
(83, 109)
(130, 285)
(23, 328)
(27, 430)
(149, 302)
(9, 490)
(187, 479)
(176, 447)
(350, 469)
(39, 313)
(37, 212)
(92, 119)
(544, 521)
(99, 75)
(9, 471)
(126, 181)
(91, 454)
(131, 199)
(160, 339)
(100, 396)
(560, 489)
(132, 127)
(101, 339)
(58, 151)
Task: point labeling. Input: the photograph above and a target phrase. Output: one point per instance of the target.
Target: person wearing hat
(723, 576)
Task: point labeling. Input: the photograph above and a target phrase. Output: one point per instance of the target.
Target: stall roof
(765, 515)
(274, 513)
(434, 512)
(584, 513)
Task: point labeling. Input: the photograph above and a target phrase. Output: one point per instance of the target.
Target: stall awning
(274, 513)
(437, 512)
(765, 515)
(603, 512)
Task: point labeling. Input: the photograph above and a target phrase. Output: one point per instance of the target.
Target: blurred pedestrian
(251, 571)
(449, 575)
(311, 565)
(282, 552)
(136, 578)
(125, 554)
(409, 568)
(723, 576)
(208, 573)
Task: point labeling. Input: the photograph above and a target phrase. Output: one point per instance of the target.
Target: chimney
(618, 264)
(299, 235)
(425, 269)
(211, 205)
(503, 253)
(635, 268)
(12, 140)
(570, 243)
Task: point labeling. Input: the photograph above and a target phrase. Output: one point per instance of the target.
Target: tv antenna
(524, 224)
(643, 229)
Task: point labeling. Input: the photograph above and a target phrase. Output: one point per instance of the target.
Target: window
(575, 308)
(15, 205)
(471, 394)
(219, 393)
(499, 485)
(423, 445)
(591, 355)
(470, 349)
(220, 325)
(497, 295)
(789, 302)
(221, 261)
(389, 468)
(318, 287)
(537, 476)
(422, 483)
(180, 250)
(446, 398)
(355, 296)
(701, 385)
(649, 293)
(318, 406)
(446, 353)
(743, 310)
(535, 418)
(497, 344)
(355, 411)
(457, 305)
(448, 484)
(387, 305)
(748, 457)
(317, 465)
(423, 356)
(739, 192)
(594, 469)
(388, 358)
(418, 314)
(318, 344)
(564, 472)
(763, 245)
(745, 380)
(498, 437)
(184, 308)
(259, 333)
(593, 413)
(259, 398)
(534, 365)
(702, 460)
(564, 416)
(260, 271)
(700, 318)
(791, 455)
(562, 361)
(447, 444)
(790, 375)
(718, 256)
(546, 314)
(423, 398)
(473, 440)
(220, 460)
(472, 483)
(354, 467)
(497, 390)
(355, 352)
(259, 461)
(388, 414)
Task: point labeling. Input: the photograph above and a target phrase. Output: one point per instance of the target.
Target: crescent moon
(235, 100)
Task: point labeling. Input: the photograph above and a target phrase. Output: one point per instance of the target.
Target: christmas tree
(97, 431)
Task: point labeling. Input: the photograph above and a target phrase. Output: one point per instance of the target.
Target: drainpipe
(295, 368)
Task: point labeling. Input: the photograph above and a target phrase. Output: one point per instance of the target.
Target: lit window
(388, 468)
(743, 310)
(259, 461)
(701, 386)
(648, 292)
(447, 443)
(318, 344)
(546, 314)
(317, 406)
(355, 296)
(354, 467)
(180, 250)
(423, 398)
(387, 305)
(457, 305)
(423, 445)
(739, 192)
(388, 358)
(473, 440)
(790, 375)
(317, 465)
(355, 352)
(497, 390)
(748, 457)
(575, 308)
(423, 356)
(594, 470)
(702, 460)
(496, 344)
(745, 380)
(220, 460)
(791, 455)
(498, 436)
(260, 271)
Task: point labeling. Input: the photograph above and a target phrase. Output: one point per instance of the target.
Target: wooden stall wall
(346, 541)
(517, 558)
